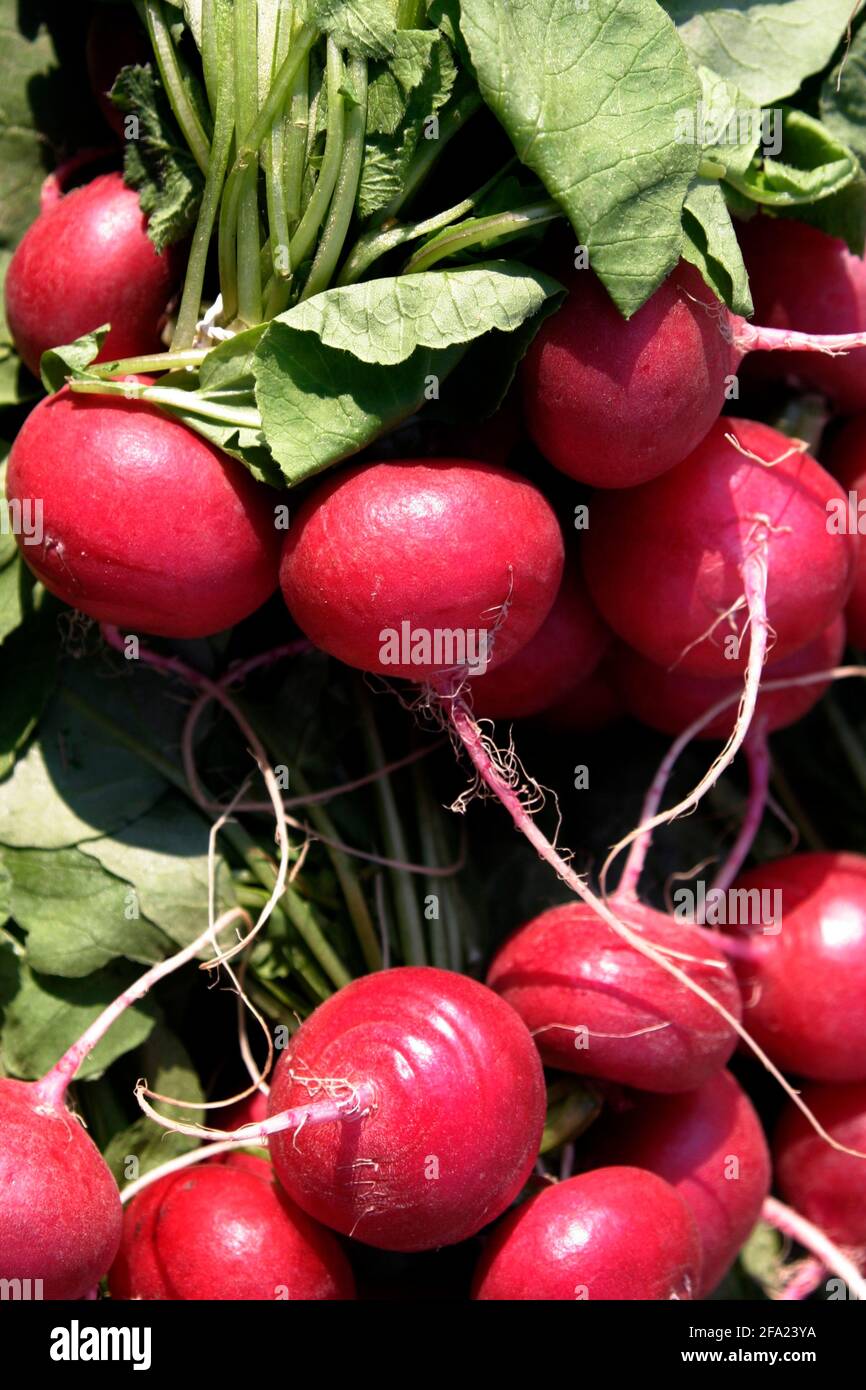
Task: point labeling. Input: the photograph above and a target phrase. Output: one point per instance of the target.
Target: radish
(225, 1232)
(670, 702)
(804, 986)
(846, 460)
(614, 402)
(829, 298)
(616, 1233)
(563, 653)
(709, 1145)
(825, 1185)
(115, 40)
(666, 562)
(598, 1008)
(145, 524)
(87, 260)
(452, 1122)
(410, 568)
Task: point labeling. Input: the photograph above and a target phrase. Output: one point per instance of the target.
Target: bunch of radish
(711, 599)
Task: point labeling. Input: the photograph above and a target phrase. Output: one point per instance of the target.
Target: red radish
(456, 1117)
(846, 460)
(709, 1145)
(565, 651)
(145, 525)
(616, 1233)
(592, 705)
(401, 568)
(804, 987)
(670, 702)
(60, 1215)
(84, 262)
(803, 279)
(614, 402)
(598, 1008)
(665, 561)
(225, 1232)
(824, 1185)
(115, 40)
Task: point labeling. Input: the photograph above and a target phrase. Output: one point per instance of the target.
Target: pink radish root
(797, 1228)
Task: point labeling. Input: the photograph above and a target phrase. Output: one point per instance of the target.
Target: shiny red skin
(614, 402)
(827, 1187)
(618, 1234)
(145, 524)
(84, 262)
(803, 998)
(60, 1213)
(568, 967)
(709, 1145)
(564, 652)
(846, 460)
(663, 561)
(459, 1092)
(805, 280)
(670, 702)
(115, 40)
(439, 543)
(225, 1232)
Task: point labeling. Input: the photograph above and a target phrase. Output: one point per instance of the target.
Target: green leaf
(74, 784)
(816, 166)
(711, 245)
(158, 163)
(592, 99)
(842, 215)
(76, 915)
(365, 27)
(60, 363)
(843, 97)
(48, 1014)
(28, 670)
(164, 855)
(143, 1146)
(384, 346)
(730, 126)
(17, 384)
(19, 593)
(8, 546)
(765, 47)
(393, 80)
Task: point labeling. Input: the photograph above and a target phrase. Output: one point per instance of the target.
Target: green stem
(228, 235)
(278, 216)
(172, 80)
(317, 208)
(451, 120)
(224, 125)
(246, 111)
(174, 398)
(261, 125)
(343, 204)
(482, 230)
(296, 140)
(379, 241)
(212, 49)
(153, 362)
(409, 921)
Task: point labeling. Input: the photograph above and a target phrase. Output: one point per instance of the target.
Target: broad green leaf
(842, 215)
(365, 27)
(77, 917)
(19, 593)
(816, 165)
(593, 100)
(28, 671)
(843, 97)
(8, 546)
(60, 363)
(729, 127)
(394, 79)
(164, 855)
(384, 321)
(168, 1068)
(336, 371)
(711, 245)
(765, 47)
(157, 162)
(48, 1014)
(74, 784)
